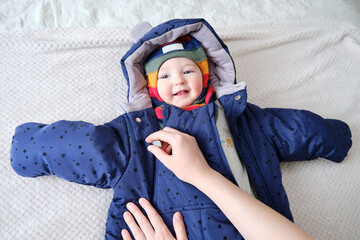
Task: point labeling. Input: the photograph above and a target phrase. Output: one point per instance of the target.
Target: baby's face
(179, 81)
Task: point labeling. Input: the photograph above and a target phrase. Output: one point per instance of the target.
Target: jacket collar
(234, 104)
(144, 122)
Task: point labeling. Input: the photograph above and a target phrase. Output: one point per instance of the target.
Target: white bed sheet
(50, 70)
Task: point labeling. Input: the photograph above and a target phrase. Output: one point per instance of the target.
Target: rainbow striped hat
(185, 46)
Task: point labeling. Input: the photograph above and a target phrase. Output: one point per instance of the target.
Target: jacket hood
(146, 39)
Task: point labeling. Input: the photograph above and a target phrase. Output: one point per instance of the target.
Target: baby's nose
(179, 80)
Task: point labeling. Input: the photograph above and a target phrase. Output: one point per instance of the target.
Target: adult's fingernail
(149, 148)
(178, 216)
(142, 200)
(126, 215)
(130, 206)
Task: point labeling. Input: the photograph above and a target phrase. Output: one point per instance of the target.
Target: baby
(168, 74)
(178, 74)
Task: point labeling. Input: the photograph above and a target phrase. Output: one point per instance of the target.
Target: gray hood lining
(222, 70)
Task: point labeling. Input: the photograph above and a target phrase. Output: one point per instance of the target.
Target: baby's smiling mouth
(181, 93)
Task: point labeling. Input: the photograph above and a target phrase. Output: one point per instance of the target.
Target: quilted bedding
(50, 70)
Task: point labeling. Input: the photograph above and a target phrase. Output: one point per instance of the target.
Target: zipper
(219, 146)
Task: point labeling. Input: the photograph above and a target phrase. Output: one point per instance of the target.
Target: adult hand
(186, 160)
(156, 228)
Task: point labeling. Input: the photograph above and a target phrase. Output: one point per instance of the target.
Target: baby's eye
(164, 76)
(187, 72)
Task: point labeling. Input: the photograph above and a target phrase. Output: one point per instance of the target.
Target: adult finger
(125, 235)
(141, 219)
(136, 231)
(168, 149)
(159, 153)
(161, 135)
(166, 135)
(172, 130)
(154, 217)
(164, 146)
(179, 226)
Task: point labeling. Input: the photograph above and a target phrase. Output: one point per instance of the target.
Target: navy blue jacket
(114, 155)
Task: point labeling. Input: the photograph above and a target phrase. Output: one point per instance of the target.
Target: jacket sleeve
(303, 135)
(76, 151)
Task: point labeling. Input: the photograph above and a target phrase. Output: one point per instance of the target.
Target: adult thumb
(159, 153)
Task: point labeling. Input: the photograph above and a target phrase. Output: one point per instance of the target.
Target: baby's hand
(186, 160)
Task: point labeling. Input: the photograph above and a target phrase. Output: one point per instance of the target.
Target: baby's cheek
(165, 95)
(198, 90)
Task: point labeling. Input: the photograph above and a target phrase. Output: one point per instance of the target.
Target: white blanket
(74, 74)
